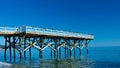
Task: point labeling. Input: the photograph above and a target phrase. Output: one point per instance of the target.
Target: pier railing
(43, 31)
(52, 32)
(9, 30)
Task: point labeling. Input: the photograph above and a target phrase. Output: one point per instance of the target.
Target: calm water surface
(98, 57)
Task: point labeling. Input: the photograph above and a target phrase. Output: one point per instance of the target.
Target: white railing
(42, 31)
(9, 29)
(57, 32)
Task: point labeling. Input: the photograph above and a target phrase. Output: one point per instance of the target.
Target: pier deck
(25, 37)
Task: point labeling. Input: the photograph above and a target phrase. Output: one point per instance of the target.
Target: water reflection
(57, 63)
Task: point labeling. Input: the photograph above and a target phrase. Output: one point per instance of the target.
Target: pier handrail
(44, 31)
(7, 30)
(57, 32)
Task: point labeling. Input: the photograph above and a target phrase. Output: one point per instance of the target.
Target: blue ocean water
(98, 57)
(105, 57)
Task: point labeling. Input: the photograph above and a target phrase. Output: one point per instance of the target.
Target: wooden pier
(24, 38)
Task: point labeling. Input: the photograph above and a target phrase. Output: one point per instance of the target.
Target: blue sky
(98, 17)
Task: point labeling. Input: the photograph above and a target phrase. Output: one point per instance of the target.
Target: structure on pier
(25, 37)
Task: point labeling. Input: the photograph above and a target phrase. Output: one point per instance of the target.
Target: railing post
(86, 45)
(5, 29)
(24, 29)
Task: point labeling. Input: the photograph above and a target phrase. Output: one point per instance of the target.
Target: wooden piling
(74, 48)
(24, 48)
(80, 51)
(41, 41)
(70, 52)
(74, 52)
(86, 44)
(29, 49)
(14, 47)
(20, 43)
(10, 47)
(55, 46)
(87, 51)
(51, 48)
(59, 52)
(5, 47)
(65, 51)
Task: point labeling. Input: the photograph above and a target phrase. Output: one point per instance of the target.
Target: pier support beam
(24, 48)
(20, 43)
(65, 51)
(51, 48)
(10, 47)
(14, 46)
(58, 48)
(29, 48)
(41, 43)
(70, 49)
(55, 43)
(59, 52)
(74, 48)
(81, 45)
(86, 44)
(55, 46)
(70, 53)
(80, 50)
(5, 47)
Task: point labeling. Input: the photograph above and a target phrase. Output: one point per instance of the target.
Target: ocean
(98, 57)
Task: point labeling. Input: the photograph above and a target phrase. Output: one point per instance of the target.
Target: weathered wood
(10, 47)
(30, 48)
(24, 48)
(20, 43)
(14, 46)
(5, 47)
(86, 44)
(41, 42)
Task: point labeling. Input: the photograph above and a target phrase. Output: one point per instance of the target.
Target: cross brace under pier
(56, 44)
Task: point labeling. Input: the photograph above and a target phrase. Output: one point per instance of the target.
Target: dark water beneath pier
(98, 57)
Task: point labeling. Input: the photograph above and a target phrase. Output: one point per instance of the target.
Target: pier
(25, 38)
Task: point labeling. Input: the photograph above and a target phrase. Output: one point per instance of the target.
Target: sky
(98, 17)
